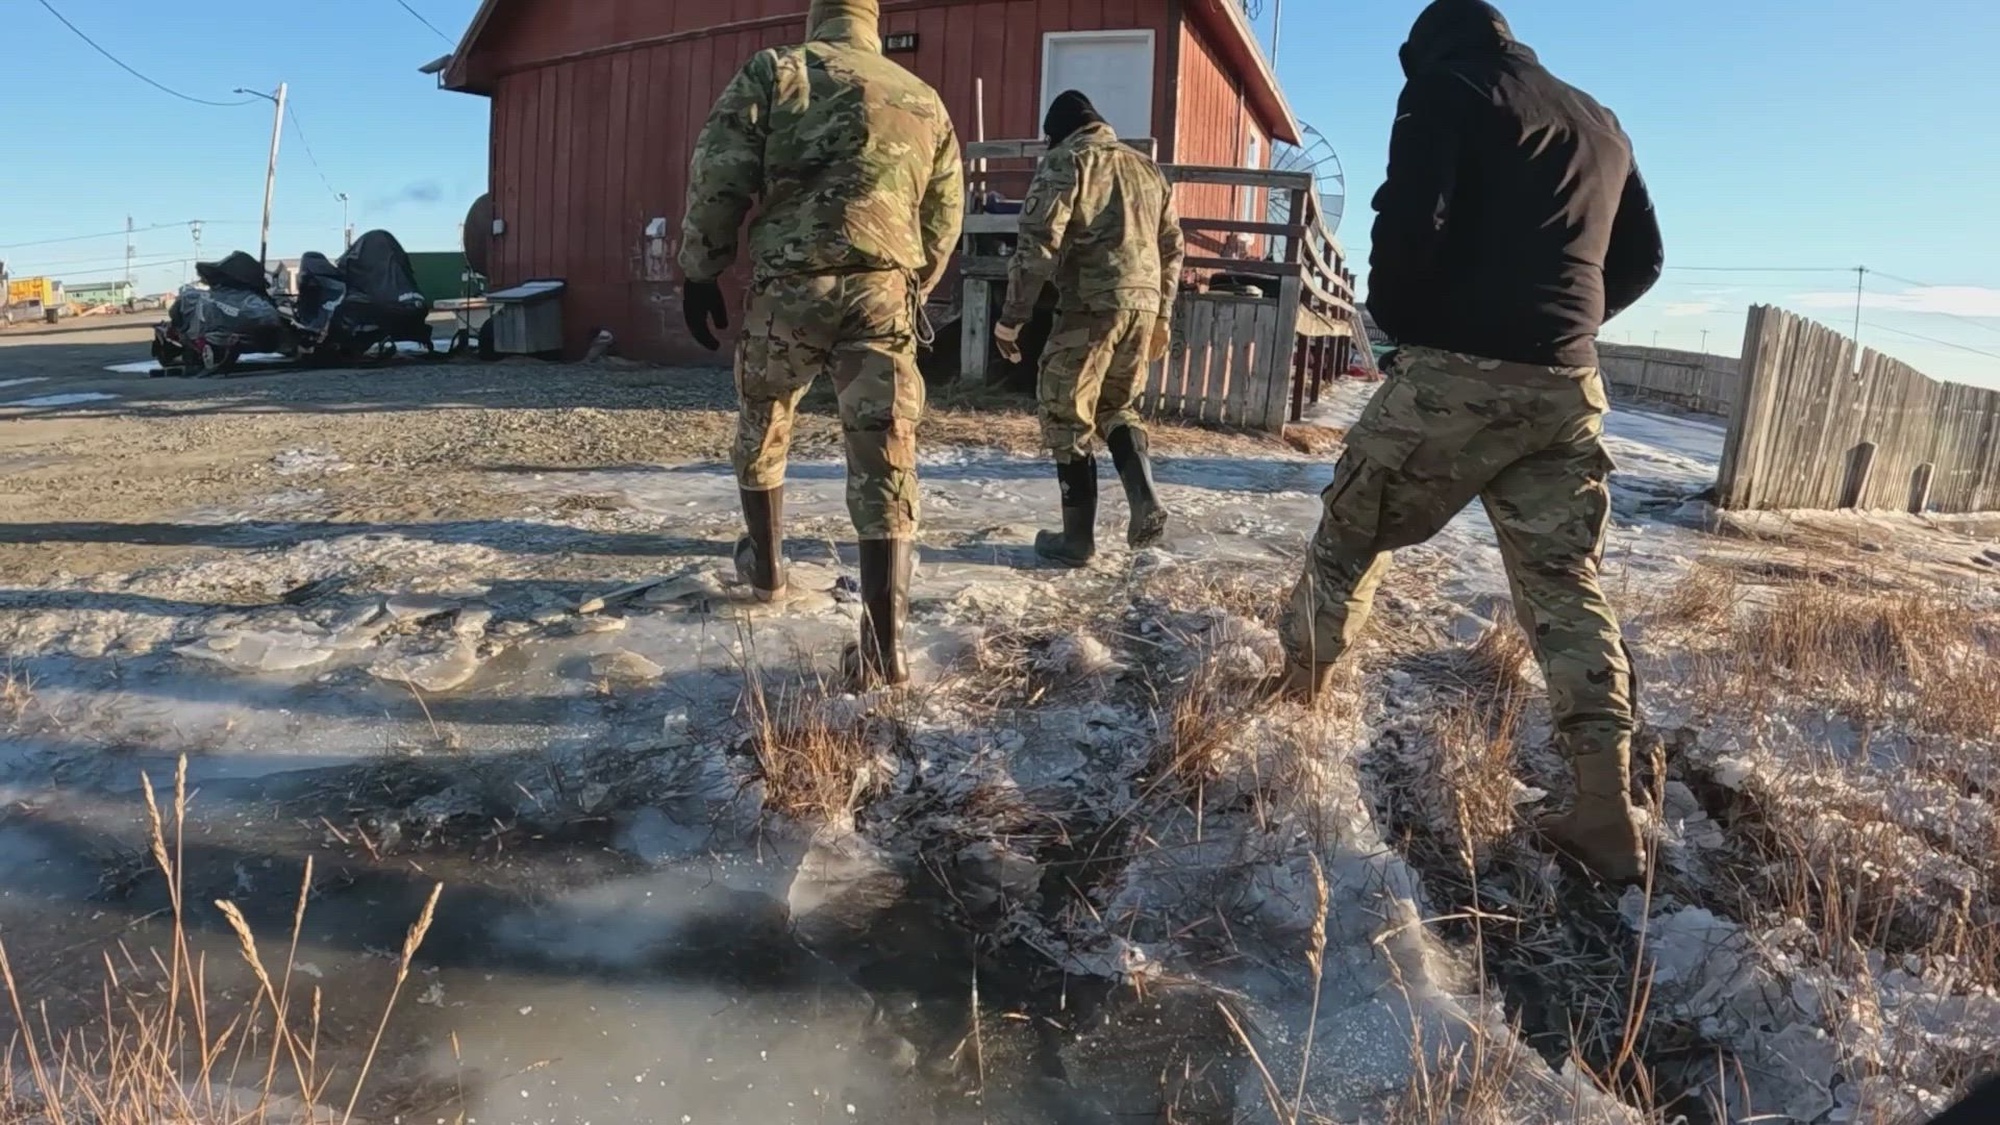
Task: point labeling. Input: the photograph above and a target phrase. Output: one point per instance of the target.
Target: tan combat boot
(1602, 830)
(1299, 683)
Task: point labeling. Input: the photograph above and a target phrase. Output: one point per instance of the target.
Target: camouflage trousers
(1093, 371)
(1528, 442)
(859, 329)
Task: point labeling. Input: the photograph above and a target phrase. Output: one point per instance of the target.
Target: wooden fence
(1809, 432)
(1238, 359)
(1705, 384)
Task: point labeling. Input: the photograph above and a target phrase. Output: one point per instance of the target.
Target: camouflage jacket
(852, 159)
(1100, 223)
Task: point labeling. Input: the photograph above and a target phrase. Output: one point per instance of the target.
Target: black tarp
(237, 271)
(228, 317)
(382, 291)
(322, 290)
(377, 268)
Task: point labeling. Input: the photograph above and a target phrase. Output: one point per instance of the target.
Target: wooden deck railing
(1239, 358)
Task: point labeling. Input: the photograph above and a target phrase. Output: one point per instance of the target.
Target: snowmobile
(212, 325)
(364, 304)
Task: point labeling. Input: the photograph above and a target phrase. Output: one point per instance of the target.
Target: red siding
(1214, 127)
(592, 130)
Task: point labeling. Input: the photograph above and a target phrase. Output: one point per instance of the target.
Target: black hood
(1457, 32)
(1070, 112)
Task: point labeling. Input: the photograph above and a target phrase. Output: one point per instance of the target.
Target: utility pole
(346, 228)
(1704, 341)
(1277, 29)
(130, 250)
(271, 169)
(1860, 294)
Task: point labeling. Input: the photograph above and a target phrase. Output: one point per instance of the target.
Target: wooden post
(1861, 463)
(976, 325)
(1301, 371)
(1920, 488)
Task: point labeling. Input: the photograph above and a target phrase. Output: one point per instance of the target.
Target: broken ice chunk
(625, 665)
(429, 665)
(262, 651)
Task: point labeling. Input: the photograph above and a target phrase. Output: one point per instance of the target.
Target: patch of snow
(76, 398)
(292, 462)
(21, 382)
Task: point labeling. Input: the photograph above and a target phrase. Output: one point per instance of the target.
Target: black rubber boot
(1129, 447)
(885, 602)
(760, 555)
(1076, 544)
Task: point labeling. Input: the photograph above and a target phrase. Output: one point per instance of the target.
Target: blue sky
(1821, 135)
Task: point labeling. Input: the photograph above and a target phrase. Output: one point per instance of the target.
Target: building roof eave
(457, 74)
(1233, 35)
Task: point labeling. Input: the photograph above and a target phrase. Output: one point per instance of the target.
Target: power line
(146, 264)
(300, 130)
(1935, 340)
(121, 232)
(1973, 321)
(121, 64)
(420, 19)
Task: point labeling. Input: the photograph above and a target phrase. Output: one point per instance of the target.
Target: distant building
(90, 294)
(595, 107)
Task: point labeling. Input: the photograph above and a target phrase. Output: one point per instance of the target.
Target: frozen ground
(1018, 908)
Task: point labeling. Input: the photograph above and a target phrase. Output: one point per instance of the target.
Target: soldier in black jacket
(1513, 223)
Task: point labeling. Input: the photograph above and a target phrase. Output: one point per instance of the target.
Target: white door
(1114, 69)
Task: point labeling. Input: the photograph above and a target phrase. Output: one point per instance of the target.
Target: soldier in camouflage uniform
(1099, 222)
(1512, 224)
(857, 170)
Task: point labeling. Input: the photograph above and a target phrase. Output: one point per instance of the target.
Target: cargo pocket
(1352, 518)
(756, 353)
(1418, 429)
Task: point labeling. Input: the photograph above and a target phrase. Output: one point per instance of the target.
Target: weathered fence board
(1705, 384)
(1814, 428)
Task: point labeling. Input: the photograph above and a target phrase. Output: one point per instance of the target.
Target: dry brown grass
(1925, 658)
(1315, 441)
(164, 1050)
(1204, 722)
(816, 763)
(993, 417)
(17, 696)
(1706, 597)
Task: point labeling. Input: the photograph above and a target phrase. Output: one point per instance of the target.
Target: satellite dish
(479, 233)
(1314, 155)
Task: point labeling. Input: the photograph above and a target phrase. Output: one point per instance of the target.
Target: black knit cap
(1070, 111)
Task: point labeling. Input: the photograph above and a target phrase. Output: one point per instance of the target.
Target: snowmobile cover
(382, 289)
(377, 268)
(236, 317)
(322, 290)
(237, 271)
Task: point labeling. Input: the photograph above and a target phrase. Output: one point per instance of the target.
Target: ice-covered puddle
(556, 713)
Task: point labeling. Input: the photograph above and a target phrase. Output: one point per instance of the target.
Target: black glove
(703, 304)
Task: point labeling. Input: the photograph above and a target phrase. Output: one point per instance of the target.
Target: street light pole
(346, 227)
(270, 169)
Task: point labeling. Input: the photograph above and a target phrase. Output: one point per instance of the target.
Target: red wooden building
(596, 104)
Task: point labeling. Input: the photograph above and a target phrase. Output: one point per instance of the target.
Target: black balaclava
(1456, 33)
(1070, 112)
